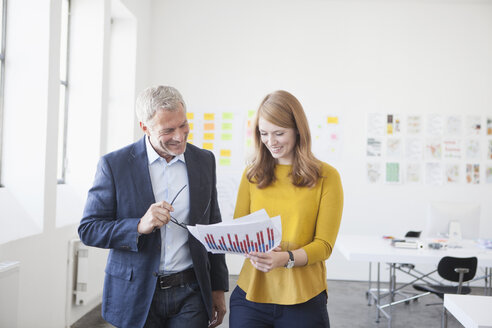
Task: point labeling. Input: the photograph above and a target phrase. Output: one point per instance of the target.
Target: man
(144, 195)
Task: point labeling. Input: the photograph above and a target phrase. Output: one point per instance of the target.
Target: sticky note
(226, 136)
(227, 116)
(209, 136)
(209, 116)
(208, 145)
(225, 152)
(332, 120)
(190, 136)
(225, 161)
(191, 126)
(189, 116)
(209, 126)
(226, 126)
(251, 113)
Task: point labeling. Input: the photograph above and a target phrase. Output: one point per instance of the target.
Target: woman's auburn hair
(283, 109)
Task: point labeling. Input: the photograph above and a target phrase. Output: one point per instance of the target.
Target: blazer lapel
(192, 166)
(139, 168)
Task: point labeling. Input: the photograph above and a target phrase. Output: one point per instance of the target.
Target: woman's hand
(268, 261)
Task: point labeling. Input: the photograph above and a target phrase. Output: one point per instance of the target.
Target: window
(3, 22)
(63, 105)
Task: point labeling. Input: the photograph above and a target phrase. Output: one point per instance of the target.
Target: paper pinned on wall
(254, 232)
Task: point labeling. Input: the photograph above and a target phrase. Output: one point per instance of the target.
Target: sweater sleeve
(329, 217)
(243, 198)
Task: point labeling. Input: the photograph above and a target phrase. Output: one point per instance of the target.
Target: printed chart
(256, 232)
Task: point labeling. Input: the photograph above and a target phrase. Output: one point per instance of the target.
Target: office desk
(472, 311)
(376, 249)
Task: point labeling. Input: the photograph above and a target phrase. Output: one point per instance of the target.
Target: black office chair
(455, 269)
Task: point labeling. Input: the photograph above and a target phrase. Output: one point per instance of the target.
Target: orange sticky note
(209, 126)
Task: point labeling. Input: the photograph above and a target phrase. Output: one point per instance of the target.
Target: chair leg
(444, 318)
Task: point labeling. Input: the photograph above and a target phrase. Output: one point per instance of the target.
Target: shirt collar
(153, 156)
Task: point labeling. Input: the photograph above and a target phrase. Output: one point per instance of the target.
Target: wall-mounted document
(256, 232)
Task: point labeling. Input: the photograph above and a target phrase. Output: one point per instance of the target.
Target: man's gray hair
(152, 99)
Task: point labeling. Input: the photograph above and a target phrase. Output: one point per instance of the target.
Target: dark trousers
(244, 313)
(177, 307)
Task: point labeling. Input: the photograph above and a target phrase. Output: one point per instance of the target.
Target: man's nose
(178, 136)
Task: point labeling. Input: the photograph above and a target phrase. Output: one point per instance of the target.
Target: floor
(347, 308)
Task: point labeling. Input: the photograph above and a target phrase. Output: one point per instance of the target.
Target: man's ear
(144, 128)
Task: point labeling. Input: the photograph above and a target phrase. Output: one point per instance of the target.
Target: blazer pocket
(119, 271)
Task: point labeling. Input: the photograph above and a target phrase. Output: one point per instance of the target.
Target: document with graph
(256, 232)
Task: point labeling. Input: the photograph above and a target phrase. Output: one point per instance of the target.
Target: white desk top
(376, 249)
(472, 311)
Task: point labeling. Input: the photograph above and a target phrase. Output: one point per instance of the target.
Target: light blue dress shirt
(167, 179)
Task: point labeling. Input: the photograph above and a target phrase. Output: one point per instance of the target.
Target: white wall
(39, 217)
(344, 57)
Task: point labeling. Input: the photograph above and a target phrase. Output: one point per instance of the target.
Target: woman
(287, 287)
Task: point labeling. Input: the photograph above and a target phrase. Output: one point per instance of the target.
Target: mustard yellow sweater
(310, 220)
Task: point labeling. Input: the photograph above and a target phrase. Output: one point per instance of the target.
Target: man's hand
(218, 308)
(156, 216)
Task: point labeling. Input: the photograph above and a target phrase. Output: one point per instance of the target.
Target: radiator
(80, 258)
(85, 277)
(9, 293)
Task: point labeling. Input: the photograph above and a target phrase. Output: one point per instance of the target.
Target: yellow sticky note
(208, 146)
(225, 161)
(191, 126)
(190, 136)
(209, 136)
(390, 128)
(226, 126)
(227, 116)
(190, 142)
(226, 136)
(209, 126)
(332, 120)
(209, 116)
(189, 116)
(225, 152)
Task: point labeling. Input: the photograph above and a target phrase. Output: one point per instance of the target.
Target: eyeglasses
(173, 219)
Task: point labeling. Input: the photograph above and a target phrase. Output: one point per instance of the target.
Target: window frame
(3, 37)
(65, 85)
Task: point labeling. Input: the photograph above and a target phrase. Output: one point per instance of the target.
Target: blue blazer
(121, 194)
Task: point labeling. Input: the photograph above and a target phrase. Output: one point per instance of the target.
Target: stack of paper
(256, 232)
